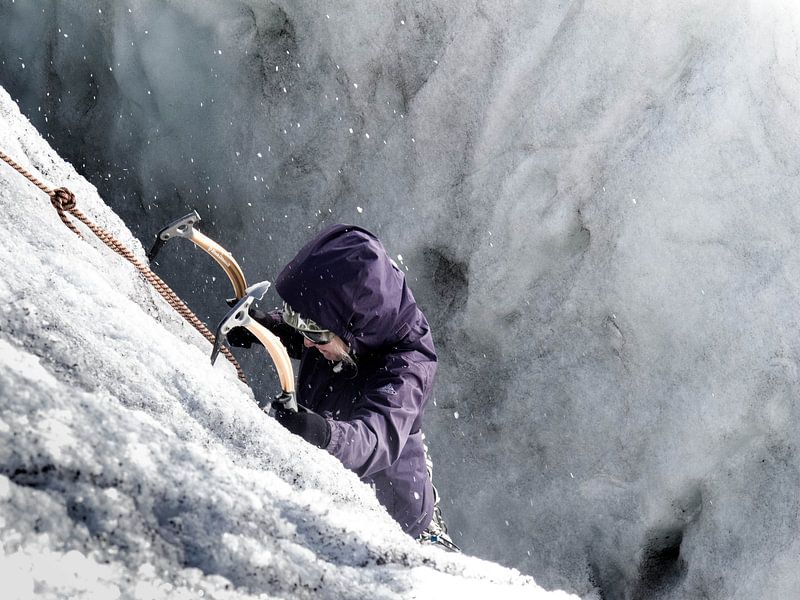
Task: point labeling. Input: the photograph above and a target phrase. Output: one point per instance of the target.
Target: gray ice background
(596, 205)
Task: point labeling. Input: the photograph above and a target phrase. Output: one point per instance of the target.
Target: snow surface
(130, 468)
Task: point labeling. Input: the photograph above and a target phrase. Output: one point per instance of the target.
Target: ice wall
(595, 202)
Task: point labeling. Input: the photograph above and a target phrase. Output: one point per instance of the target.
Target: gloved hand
(308, 425)
(241, 337)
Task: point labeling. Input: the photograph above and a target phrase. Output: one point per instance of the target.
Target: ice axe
(239, 316)
(184, 227)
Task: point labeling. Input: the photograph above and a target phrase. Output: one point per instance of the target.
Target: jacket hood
(345, 281)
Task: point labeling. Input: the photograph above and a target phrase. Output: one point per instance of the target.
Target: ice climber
(367, 365)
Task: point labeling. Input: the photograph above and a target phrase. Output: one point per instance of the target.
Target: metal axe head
(239, 315)
(178, 228)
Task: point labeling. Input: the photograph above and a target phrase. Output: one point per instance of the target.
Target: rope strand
(25, 173)
(64, 202)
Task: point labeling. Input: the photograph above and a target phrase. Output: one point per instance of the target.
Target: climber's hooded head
(344, 280)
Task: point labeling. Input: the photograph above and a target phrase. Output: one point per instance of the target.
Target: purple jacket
(345, 281)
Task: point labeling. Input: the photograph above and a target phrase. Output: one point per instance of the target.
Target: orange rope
(63, 201)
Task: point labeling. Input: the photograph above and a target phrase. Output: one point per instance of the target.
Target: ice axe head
(182, 227)
(239, 315)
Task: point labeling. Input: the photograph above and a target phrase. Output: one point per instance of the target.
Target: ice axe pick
(239, 316)
(184, 227)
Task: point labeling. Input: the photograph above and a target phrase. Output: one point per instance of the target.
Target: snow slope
(129, 467)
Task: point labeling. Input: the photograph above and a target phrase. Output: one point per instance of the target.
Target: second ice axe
(239, 316)
(184, 227)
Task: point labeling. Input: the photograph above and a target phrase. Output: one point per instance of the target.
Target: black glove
(241, 337)
(308, 425)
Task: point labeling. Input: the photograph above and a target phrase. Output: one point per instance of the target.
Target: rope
(64, 202)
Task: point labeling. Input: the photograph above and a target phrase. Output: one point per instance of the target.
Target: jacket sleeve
(392, 403)
(290, 337)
